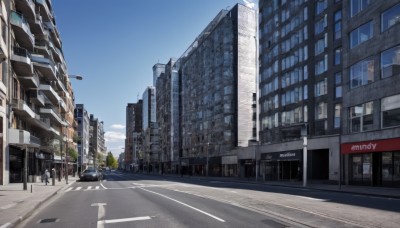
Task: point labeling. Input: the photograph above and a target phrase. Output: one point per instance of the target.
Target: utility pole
(25, 176)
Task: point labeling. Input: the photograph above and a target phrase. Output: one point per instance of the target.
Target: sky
(115, 44)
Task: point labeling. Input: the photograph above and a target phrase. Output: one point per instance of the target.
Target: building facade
(133, 135)
(371, 98)
(82, 132)
(97, 145)
(167, 97)
(39, 122)
(218, 91)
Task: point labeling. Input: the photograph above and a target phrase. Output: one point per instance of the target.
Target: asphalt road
(127, 200)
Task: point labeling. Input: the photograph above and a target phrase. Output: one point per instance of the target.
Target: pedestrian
(46, 176)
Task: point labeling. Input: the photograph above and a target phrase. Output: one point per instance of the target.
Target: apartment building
(150, 132)
(39, 117)
(82, 132)
(97, 146)
(370, 142)
(300, 88)
(167, 97)
(218, 91)
(133, 139)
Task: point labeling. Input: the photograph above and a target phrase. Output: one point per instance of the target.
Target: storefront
(285, 165)
(373, 163)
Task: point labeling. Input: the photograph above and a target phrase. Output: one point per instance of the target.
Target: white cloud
(249, 3)
(117, 126)
(113, 136)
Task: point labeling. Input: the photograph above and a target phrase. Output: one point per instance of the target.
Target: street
(132, 200)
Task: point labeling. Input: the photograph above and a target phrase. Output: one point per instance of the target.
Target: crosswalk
(88, 188)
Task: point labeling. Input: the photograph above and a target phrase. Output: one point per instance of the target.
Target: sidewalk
(17, 204)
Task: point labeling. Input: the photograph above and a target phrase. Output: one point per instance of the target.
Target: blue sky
(114, 45)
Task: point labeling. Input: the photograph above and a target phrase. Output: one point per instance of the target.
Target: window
(390, 62)
(338, 108)
(319, 46)
(338, 84)
(321, 66)
(390, 107)
(390, 17)
(320, 25)
(338, 56)
(338, 91)
(362, 73)
(321, 111)
(361, 34)
(338, 25)
(357, 6)
(321, 6)
(321, 88)
(361, 117)
(305, 92)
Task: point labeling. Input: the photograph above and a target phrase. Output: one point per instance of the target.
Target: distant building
(97, 141)
(134, 112)
(83, 125)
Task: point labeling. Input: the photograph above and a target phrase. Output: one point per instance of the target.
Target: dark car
(90, 175)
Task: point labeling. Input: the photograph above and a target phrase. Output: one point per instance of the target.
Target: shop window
(396, 168)
(390, 107)
(387, 166)
(390, 17)
(361, 117)
(362, 73)
(390, 62)
(361, 34)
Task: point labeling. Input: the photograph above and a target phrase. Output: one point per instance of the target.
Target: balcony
(21, 108)
(44, 10)
(37, 25)
(22, 30)
(52, 114)
(62, 68)
(36, 97)
(43, 123)
(21, 61)
(30, 82)
(22, 138)
(27, 8)
(50, 93)
(44, 66)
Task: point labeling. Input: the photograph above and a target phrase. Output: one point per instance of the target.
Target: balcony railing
(21, 52)
(19, 20)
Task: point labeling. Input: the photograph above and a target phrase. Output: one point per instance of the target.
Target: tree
(111, 161)
(73, 154)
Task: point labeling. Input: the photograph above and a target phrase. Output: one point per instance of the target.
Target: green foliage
(111, 161)
(73, 154)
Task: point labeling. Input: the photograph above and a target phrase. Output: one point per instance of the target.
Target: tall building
(133, 135)
(83, 126)
(39, 122)
(97, 141)
(371, 93)
(218, 91)
(167, 97)
(150, 136)
(300, 88)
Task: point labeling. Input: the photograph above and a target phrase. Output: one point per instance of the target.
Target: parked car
(90, 175)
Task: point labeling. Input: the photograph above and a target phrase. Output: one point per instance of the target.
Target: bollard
(53, 180)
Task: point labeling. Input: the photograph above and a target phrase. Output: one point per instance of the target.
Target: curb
(37, 205)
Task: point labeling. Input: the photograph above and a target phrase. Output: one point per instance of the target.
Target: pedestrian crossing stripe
(88, 188)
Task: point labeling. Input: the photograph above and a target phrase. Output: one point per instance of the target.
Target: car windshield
(89, 171)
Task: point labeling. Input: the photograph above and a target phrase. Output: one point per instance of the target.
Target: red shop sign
(371, 146)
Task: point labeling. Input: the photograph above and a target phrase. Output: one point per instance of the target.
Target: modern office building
(370, 141)
(133, 135)
(97, 145)
(218, 92)
(300, 88)
(167, 97)
(150, 136)
(37, 125)
(85, 158)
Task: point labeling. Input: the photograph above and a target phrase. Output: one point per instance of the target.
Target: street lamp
(76, 76)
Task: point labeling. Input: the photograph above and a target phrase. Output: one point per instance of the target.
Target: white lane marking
(184, 204)
(78, 188)
(97, 187)
(8, 206)
(122, 220)
(89, 187)
(310, 198)
(102, 185)
(100, 214)
(6, 225)
(69, 189)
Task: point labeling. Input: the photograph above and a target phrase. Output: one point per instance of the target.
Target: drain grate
(49, 220)
(274, 224)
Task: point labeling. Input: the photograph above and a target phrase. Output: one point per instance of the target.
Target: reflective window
(338, 56)
(361, 117)
(361, 34)
(338, 25)
(390, 62)
(338, 108)
(321, 6)
(362, 73)
(390, 17)
(390, 107)
(321, 111)
(321, 88)
(357, 6)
